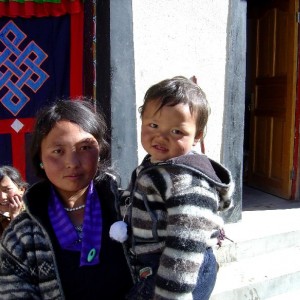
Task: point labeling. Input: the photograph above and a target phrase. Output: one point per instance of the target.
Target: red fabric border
(76, 55)
(76, 89)
(30, 9)
(18, 141)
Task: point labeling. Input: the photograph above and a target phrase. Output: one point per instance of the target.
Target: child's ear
(197, 138)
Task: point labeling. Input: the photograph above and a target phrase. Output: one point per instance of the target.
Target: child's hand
(16, 205)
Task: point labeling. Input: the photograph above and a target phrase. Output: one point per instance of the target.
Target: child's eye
(176, 131)
(152, 125)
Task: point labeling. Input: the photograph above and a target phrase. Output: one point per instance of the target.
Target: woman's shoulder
(108, 182)
(4, 222)
(25, 241)
(23, 229)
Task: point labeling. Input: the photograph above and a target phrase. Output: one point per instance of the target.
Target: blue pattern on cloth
(66, 232)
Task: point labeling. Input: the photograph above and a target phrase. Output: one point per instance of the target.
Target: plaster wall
(158, 39)
(183, 37)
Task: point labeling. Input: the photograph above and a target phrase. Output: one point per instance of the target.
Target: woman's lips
(73, 176)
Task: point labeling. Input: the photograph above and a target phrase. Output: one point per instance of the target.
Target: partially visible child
(174, 197)
(12, 188)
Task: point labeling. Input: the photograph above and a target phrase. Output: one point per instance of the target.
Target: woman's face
(7, 190)
(70, 158)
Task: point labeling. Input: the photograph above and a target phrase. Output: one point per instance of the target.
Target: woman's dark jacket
(34, 266)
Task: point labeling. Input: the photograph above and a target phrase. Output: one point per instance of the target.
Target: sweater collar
(89, 243)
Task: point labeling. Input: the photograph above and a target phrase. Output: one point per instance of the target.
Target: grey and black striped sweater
(33, 265)
(172, 208)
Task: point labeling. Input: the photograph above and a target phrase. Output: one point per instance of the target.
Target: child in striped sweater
(172, 203)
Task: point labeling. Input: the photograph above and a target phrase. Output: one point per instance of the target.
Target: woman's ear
(22, 191)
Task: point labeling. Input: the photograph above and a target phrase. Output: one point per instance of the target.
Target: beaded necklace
(74, 208)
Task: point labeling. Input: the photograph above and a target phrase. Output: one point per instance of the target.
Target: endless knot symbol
(19, 68)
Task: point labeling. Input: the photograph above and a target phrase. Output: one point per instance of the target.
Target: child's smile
(168, 132)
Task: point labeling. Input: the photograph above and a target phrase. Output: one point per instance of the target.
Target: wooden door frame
(295, 151)
(295, 181)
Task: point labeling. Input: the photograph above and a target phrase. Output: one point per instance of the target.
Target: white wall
(183, 37)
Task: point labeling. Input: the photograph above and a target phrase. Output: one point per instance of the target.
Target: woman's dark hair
(78, 111)
(180, 90)
(14, 176)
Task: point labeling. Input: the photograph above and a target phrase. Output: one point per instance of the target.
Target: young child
(172, 203)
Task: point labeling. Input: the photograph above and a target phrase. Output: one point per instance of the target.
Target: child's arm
(192, 218)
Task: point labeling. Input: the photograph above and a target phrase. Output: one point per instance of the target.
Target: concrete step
(260, 277)
(236, 251)
(259, 233)
(294, 295)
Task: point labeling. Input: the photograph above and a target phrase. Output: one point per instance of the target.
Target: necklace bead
(74, 208)
(78, 228)
(79, 231)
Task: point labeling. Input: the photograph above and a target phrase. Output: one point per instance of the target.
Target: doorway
(271, 91)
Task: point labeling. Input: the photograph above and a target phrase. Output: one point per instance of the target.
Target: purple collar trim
(90, 244)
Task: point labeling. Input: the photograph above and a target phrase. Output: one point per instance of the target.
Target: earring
(41, 165)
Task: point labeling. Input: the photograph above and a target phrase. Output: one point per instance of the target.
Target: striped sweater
(33, 265)
(172, 208)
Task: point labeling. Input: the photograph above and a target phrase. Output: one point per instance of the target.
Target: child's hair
(78, 111)
(14, 176)
(180, 90)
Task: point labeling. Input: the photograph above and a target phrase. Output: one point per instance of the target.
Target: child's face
(70, 158)
(169, 132)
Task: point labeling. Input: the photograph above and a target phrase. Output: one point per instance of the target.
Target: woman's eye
(8, 190)
(84, 148)
(57, 151)
(152, 125)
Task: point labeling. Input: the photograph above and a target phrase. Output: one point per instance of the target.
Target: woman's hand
(16, 205)
(4, 208)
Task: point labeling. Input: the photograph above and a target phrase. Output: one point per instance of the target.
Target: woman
(12, 188)
(60, 248)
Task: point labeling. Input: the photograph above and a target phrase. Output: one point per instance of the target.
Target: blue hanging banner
(34, 71)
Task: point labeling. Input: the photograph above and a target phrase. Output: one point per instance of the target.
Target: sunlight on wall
(183, 37)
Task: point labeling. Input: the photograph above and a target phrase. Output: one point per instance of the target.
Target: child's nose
(162, 133)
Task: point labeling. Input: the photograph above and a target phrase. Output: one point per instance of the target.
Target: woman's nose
(3, 196)
(72, 160)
